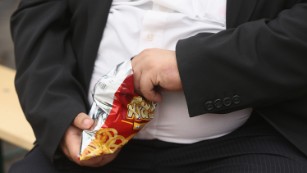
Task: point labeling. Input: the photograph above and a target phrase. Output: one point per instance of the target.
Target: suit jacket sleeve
(257, 64)
(46, 82)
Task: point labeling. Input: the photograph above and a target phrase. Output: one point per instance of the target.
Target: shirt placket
(153, 28)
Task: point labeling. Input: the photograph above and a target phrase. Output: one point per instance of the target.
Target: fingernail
(86, 122)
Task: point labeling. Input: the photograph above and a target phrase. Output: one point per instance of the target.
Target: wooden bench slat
(13, 126)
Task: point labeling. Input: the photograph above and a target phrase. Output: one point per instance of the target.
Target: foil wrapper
(118, 112)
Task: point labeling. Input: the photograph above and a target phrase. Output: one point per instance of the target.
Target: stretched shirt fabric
(135, 25)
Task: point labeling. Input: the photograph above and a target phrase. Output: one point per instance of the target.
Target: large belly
(173, 124)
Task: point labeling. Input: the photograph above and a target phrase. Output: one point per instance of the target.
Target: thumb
(149, 88)
(83, 121)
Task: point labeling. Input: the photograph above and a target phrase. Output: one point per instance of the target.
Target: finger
(93, 162)
(100, 161)
(64, 149)
(83, 121)
(136, 75)
(147, 88)
(72, 144)
(136, 81)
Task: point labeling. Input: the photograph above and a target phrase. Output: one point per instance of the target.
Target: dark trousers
(253, 148)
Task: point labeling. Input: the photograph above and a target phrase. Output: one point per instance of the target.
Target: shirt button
(150, 37)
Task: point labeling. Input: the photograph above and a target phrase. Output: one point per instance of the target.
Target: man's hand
(72, 141)
(155, 69)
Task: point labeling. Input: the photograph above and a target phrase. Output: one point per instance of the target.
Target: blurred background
(10, 153)
(6, 47)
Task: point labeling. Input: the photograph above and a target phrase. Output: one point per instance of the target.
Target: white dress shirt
(134, 25)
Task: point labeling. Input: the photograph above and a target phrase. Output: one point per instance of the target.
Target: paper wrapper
(119, 113)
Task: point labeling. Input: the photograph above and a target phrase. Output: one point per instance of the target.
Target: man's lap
(255, 147)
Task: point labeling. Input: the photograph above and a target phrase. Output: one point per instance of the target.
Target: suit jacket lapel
(97, 13)
(239, 11)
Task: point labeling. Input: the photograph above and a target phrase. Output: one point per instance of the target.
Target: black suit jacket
(259, 61)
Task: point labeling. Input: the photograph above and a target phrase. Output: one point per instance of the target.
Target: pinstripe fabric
(254, 148)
